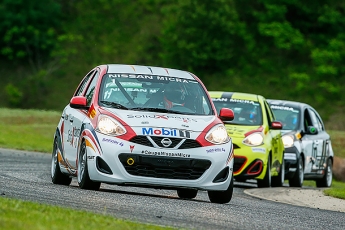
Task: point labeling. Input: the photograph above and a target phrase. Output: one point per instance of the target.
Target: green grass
(28, 129)
(18, 214)
(337, 190)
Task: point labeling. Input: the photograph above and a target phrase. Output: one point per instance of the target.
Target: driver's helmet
(174, 96)
(291, 121)
(248, 114)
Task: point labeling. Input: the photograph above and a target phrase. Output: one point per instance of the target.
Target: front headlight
(288, 141)
(254, 139)
(217, 135)
(110, 126)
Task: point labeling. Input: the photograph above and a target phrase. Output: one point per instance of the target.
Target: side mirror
(78, 102)
(312, 130)
(276, 125)
(226, 114)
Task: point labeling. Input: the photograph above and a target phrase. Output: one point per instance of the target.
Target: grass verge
(31, 130)
(337, 190)
(18, 214)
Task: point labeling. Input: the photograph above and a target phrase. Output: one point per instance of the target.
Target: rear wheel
(326, 180)
(298, 177)
(84, 180)
(187, 193)
(222, 197)
(266, 182)
(57, 176)
(278, 181)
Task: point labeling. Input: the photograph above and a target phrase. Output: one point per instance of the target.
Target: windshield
(246, 112)
(154, 93)
(287, 115)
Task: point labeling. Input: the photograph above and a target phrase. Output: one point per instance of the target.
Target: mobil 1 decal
(166, 132)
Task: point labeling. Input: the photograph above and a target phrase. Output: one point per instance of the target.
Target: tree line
(285, 49)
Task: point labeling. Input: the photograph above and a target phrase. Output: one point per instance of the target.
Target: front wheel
(222, 197)
(298, 177)
(266, 182)
(278, 181)
(84, 180)
(326, 180)
(57, 176)
(187, 193)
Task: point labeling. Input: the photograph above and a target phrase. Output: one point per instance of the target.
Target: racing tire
(298, 177)
(84, 180)
(56, 175)
(222, 197)
(187, 193)
(266, 182)
(326, 180)
(278, 181)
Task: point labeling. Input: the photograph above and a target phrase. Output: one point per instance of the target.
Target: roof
(287, 103)
(151, 70)
(234, 95)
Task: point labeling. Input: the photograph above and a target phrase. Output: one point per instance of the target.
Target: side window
(269, 113)
(83, 84)
(307, 119)
(315, 120)
(91, 89)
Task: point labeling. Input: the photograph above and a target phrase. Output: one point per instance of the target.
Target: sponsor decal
(165, 154)
(73, 136)
(258, 150)
(92, 113)
(215, 150)
(113, 141)
(165, 132)
(242, 101)
(90, 157)
(131, 147)
(165, 117)
(151, 77)
(279, 107)
(219, 99)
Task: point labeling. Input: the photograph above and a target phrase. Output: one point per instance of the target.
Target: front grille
(238, 163)
(144, 140)
(190, 144)
(141, 140)
(164, 167)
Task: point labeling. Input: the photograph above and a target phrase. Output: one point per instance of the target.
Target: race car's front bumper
(126, 163)
(250, 162)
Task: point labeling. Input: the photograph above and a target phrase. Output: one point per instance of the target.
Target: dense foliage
(286, 49)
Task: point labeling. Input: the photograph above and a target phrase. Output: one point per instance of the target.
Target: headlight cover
(110, 126)
(288, 141)
(254, 139)
(217, 135)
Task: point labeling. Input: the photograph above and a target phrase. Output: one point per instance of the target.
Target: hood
(164, 120)
(239, 130)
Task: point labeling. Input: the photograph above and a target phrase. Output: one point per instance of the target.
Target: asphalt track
(26, 175)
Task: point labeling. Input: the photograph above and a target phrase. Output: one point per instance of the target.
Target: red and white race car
(144, 126)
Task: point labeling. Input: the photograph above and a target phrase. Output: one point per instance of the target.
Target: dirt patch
(339, 168)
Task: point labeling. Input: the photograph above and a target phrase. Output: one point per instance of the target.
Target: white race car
(144, 126)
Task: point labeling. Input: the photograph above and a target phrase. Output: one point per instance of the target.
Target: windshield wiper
(114, 105)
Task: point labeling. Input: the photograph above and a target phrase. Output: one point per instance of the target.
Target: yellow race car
(258, 146)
